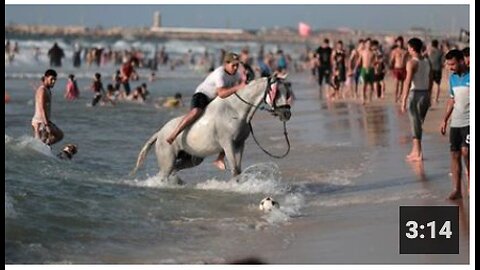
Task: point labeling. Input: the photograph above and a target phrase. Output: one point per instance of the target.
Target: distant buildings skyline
(445, 18)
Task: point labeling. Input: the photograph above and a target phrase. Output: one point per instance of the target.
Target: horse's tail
(143, 153)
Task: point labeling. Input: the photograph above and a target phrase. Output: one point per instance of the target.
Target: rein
(285, 133)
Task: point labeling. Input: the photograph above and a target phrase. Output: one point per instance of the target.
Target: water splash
(258, 178)
(289, 208)
(29, 143)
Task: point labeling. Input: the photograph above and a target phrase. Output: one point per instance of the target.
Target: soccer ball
(267, 204)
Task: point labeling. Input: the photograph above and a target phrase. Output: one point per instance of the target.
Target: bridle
(268, 89)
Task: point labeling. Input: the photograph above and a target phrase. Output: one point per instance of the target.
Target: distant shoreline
(283, 35)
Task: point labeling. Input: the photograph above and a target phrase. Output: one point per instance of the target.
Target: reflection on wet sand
(419, 170)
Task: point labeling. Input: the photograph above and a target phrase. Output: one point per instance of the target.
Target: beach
(355, 218)
(339, 189)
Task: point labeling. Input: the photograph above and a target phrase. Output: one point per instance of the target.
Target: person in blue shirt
(458, 109)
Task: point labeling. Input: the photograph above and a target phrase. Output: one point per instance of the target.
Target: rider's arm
(224, 92)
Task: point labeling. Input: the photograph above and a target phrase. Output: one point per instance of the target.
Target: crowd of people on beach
(356, 73)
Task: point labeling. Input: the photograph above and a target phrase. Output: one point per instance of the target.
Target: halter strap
(285, 133)
(265, 92)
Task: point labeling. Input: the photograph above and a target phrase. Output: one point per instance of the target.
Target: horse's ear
(273, 77)
(277, 75)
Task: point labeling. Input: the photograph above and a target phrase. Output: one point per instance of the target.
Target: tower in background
(157, 19)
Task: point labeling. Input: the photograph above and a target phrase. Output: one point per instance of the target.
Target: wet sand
(358, 222)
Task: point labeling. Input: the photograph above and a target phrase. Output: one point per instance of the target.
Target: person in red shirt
(127, 71)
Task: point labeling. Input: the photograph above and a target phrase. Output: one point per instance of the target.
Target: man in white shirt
(222, 82)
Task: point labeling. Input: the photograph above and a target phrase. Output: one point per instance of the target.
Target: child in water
(173, 102)
(71, 91)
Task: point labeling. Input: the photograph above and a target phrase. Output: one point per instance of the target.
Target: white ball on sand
(267, 204)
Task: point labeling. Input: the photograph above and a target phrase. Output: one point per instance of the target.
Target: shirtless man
(352, 66)
(365, 64)
(398, 63)
(44, 129)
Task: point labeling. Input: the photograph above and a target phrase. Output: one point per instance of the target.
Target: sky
(449, 18)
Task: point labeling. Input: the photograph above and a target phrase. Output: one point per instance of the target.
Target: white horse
(224, 126)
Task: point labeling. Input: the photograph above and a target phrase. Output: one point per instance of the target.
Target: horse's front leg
(234, 157)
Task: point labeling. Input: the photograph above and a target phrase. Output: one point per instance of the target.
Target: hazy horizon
(445, 18)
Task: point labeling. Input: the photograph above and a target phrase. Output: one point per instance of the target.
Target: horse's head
(280, 97)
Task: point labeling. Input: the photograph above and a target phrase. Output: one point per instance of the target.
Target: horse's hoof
(175, 180)
(237, 179)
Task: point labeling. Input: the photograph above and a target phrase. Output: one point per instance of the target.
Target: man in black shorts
(458, 108)
(222, 82)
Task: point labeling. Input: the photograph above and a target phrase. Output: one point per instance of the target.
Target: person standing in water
(71, 90)
(43, 128)
(398, 61)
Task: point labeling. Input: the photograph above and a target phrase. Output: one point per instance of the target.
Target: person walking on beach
(44, 129)
(416, 94)
(323, 55)
(354, 72)
(436, 58)
(339, 70)
(379, 70)
(223, 82)
(398, 60)
(365, 64)
(458, 108)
